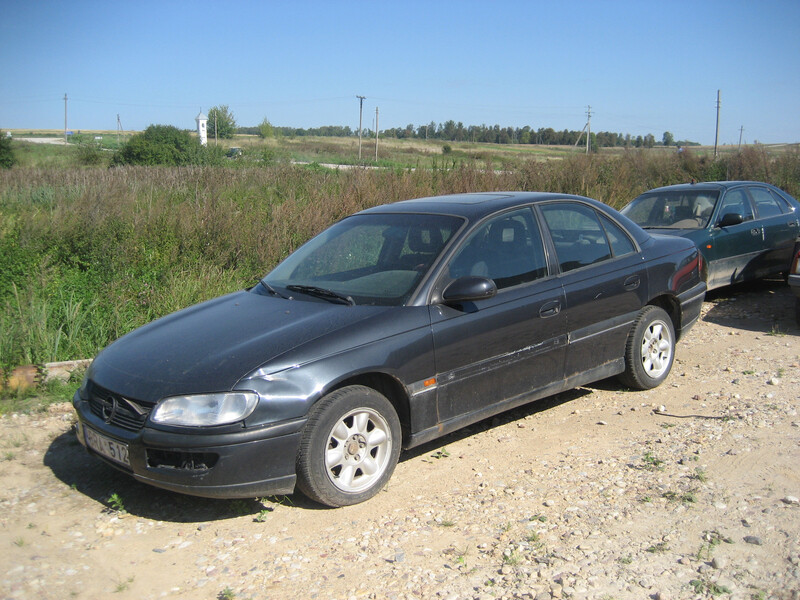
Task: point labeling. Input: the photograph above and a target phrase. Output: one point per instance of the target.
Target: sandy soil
(686, 491)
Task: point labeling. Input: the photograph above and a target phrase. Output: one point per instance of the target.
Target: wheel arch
(671, 306)
(388, 386)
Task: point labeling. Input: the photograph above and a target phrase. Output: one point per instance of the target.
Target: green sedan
(745, 230)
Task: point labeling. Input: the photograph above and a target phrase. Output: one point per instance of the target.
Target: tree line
(451, 131)
(222, 123)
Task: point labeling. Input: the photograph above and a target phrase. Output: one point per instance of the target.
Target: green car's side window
(736, 201)
(766, 205)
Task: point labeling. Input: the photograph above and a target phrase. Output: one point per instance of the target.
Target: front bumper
(244, 464)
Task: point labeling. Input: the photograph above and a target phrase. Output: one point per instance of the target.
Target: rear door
(779, 230)
(605, 285)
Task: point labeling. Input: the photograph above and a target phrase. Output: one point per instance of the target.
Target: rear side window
(578, 235)
(620, 242)
(766, 204)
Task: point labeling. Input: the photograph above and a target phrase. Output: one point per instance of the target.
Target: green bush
(160, 145)
(7, 159)
(89, 155)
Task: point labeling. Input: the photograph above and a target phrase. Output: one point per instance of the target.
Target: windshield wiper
(273, 291)
(323, 293)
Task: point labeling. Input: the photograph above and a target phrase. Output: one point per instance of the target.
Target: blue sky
(642, 66)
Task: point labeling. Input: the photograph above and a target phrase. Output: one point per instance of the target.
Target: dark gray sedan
(393, 327)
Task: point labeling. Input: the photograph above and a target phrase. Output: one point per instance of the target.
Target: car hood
(210, 346)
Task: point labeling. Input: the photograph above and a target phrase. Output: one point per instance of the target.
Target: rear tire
(349, 447)
(650, 349)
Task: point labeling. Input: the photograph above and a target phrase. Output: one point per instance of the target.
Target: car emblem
(110, 410)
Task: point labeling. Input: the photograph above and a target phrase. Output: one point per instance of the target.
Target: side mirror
(729, 219)
(469, 289)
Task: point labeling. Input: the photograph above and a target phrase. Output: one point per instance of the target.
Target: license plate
(106, 446)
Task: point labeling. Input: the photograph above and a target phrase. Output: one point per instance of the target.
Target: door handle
(792, 223)
(632, 283)
(550, 309)
(755, 231)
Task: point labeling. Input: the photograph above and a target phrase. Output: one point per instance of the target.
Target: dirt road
(42, 140)
(686, 491)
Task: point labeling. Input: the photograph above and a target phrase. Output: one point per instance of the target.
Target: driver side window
(736, 201)
(507, 249)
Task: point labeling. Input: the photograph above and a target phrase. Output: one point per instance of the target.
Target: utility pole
(119, 129)
(588, 128)
(741, 131)
(716, 135)
(360, 111)
(65, 118)
(376, 134)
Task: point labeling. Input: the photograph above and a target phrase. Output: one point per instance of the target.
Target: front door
(733, 251)
(494, 352)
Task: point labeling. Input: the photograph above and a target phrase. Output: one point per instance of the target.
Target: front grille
(117, 410)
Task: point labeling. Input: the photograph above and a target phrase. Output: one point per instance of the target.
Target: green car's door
(780, 230)
(733, 250)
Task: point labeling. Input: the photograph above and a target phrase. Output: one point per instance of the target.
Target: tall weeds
(88, 254)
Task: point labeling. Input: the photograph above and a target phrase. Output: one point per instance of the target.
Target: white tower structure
(202, 128)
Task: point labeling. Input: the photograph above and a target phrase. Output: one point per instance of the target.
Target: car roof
(473, 205)
(706, 185)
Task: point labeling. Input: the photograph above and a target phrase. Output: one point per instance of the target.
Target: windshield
(686, 209)
(366, 259)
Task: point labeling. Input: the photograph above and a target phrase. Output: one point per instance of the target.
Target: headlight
(205, 409)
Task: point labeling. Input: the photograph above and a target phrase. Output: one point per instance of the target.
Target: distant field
(392, 152)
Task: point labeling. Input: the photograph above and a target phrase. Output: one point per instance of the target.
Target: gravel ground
(686, 491)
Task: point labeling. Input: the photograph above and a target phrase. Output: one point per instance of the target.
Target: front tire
(650, 349)
(349, 447)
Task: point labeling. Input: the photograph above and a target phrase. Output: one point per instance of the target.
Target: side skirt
(609, 369)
